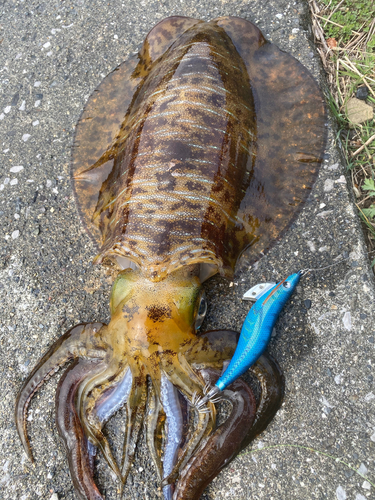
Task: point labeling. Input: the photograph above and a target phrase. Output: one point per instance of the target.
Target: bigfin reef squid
(190, 159)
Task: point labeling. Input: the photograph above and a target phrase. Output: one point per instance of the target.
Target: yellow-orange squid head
(154, 323)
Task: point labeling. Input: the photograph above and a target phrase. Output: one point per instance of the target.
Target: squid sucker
(190, 159)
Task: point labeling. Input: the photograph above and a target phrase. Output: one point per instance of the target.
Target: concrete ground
(321, 445)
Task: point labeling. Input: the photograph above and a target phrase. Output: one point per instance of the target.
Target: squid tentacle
(80, 454)
(155, 419)
(174, 432)
(76, 342)
(113, 399)
(108, 401)
(136, 407)
(272, 383)
(204, 425)
(221, 446)
(90, 396)
(212, 348)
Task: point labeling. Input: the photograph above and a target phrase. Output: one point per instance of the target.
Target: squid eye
(202, 309)
(286, 284)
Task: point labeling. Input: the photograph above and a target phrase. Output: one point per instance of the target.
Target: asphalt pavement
(321, 444)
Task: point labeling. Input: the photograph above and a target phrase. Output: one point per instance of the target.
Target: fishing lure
(255, 333)
(270, 298)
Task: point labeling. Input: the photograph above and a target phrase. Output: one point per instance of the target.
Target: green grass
(350, 63)
(352, 16)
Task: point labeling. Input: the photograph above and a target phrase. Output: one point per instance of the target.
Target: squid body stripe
(221, 55)
(166, 113)
(175, 250)
(194, 124)
(214, 90)
(185, 101)
(175, 78)
(177, 216)
(191, 56)
(250, 152)
(166, 132)
(157, 151)
(195, 89)
(196, 177)
(200, 90)
(169, 197)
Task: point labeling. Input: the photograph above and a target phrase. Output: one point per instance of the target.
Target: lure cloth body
(257, 329)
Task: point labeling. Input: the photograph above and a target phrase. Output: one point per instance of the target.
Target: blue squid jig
(255, 333)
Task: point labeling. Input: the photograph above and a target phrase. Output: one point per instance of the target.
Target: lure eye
(286, 285)
(202, 309)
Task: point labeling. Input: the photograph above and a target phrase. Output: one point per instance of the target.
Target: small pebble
(16, 169)
(366, 485)
(15, 234)
(46, 45)
(347, 320)
(362, 469)
(13, 182)
(362, 93)
(328, 185)
(22, 107)
(7, 109)
(311, 246)
(37, 103)
(335, 166)
(25, 137)
(341, 493)
(338, 379)
(37, 84)
(35, 123)
(307, 303)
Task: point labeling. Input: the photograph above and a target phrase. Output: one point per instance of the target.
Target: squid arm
(221, 446)
(80, 452)
(272, 383)
(77, 342)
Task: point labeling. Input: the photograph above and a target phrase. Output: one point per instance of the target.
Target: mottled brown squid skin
(182, 161)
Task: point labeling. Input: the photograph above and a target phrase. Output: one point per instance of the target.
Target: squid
(190, 159)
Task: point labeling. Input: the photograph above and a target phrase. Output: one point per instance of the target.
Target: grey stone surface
(322, 442)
